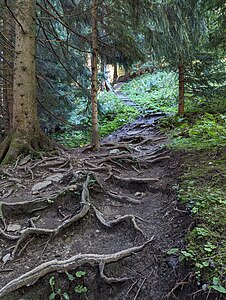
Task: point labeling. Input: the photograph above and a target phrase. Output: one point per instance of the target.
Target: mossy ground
(201, 139)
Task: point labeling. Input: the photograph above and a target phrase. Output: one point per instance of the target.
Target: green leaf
(216, 280)
(80, 274)
(66, 296)
(52, 281)
(219, 288)
(52, 296)
(70, 276)
(80, 289)
(172, 251)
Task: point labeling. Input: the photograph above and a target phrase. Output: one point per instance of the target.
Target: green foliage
(199, 131)
(114, 113)
(72, 139)
(202, 188)
(206, 79)
(79, 288)
(157, 91)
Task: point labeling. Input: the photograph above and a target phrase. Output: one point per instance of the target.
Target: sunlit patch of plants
(157, 91)
(196, 131)
(114, 113)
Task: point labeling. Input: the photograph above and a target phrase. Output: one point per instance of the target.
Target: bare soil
(113, 214)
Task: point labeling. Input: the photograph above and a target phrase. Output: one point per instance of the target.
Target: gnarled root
(112, 223)
(85, 203)
(74, 262)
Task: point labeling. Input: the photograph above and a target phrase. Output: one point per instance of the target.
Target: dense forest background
(76, 40)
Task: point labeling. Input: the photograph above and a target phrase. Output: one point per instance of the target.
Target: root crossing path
(112, 215)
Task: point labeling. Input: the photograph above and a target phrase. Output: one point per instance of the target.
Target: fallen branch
(72, 263)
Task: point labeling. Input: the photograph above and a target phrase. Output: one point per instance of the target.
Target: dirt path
(112, 214)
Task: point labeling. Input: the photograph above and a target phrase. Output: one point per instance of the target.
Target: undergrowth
(157, 91)
(113, 114)
(202, 138)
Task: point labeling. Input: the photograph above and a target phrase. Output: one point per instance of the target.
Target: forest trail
(123, 97)
(118, 204)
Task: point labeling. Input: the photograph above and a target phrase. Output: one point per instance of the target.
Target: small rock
(13, 227)
(205, 287)
(6, 258)
(55, 178)
(114, 151)
(41, 186)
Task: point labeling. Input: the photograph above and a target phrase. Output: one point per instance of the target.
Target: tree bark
(26, 134)
(127, 73)
(94, 61)
(181, 87)
(115, 76)
(8, 48)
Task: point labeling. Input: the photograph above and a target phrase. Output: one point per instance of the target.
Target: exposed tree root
(26, 207)
(85, 203)
(133, 140)
(8, 236)
(115, 222)
(155, 155)
(74, 262)
(135, 179)
(19, 143)
(114, 157)
(110, 280)
(123, 198)
(180, 284)
(126, 147)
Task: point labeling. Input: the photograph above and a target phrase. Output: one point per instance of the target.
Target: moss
(19, 143)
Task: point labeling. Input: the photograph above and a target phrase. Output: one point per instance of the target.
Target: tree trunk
(181, 88)
(115, 76)
(95, 132)
(127, 73)
(104, 72)
(26, 134)
(8, 25)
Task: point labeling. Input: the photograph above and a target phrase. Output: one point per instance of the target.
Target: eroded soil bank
(118, 204)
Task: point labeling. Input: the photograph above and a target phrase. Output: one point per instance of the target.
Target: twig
(142, 283)
(132, 286)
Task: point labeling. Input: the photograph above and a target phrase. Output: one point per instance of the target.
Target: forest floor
(118, 204)
(96, 225)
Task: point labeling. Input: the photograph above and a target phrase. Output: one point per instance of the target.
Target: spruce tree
(26, 134)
